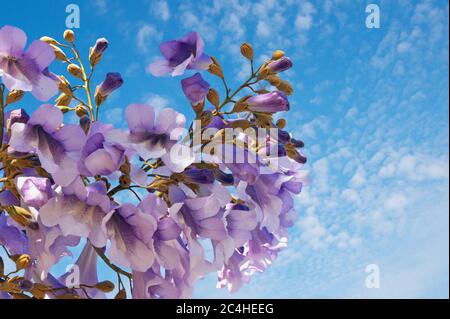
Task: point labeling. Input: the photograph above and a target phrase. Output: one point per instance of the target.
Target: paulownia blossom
(25, 70)
(156, 201)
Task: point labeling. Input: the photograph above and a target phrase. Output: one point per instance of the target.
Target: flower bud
(69, 36)
(281, 123)
(277, 54)
(2, 267)
(63, 99)
(22, 261)
(216, 70)
(59, 54)
(247, 51)
(85, 123)
(124, 180)
(112, 82)
(105, 286)
(20, 215)
(64, 85)
(64, 108)
(80, 110)
(268, 103)
(273, 80)
(285, 87)
(14, 96)
(75, 70)
(213, 97)
(49, 40)
(122, 294)
(280, 65)
(206, 118)
(96, 52)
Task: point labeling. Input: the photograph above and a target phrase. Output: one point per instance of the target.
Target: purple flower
(24, 71)
(154, 138)
(11, 237)
(54, 144)
(280, 65)
(152, 285)
(100, 156)
(112, 82)
(80, 214)
(179, 55)
(130, 232)
(268, 103)
(199, 176)
(202, 214)
(47, 245)
(34, 191)
(195, 88)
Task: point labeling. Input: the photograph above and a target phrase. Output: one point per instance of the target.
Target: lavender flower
(45, 136)
(195, 88)
(179, 55)
(100, 156)
(268, 103)
(280, 65)
(24, 71)
(153, 138)
(112, 82)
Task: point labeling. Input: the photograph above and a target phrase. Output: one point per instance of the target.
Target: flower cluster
(152, 201)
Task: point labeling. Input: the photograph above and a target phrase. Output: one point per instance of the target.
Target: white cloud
(145, 36)
(161, 10)
(157, 101)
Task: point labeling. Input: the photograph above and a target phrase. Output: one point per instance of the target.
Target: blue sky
(370, 104)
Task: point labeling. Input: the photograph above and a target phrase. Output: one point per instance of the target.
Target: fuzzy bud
(273, 80)
(105, 286)
(75, 70)
(69, 36)
(63, 99)
(277, 54)
(59, 54)
(96, 52)
(281, 123)
(213, 97)
(124, 180)
(285, 87)
(85, 123)
(22, 261)
(80, 110)
(64, 85)
(14, 96)
(49, 40)
(247, 51)
(64, 108)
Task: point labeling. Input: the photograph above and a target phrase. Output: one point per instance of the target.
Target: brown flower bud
(247, 51)
(105, 286)
(64, 108)
(80, 110)
(273, 80)
(198, 108)
(49, 40)
(277, 54)
(206, 118)
(22, 261)
(285, 87)
(85, 123)
(69, 36)
(75, 70)
(14, 96)
(216, 70)
(124, 180)
(20, 215)
(122, 294)
(213, 97)
(63, 99)
(281, 123)
(64, 85)
(59, 54)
